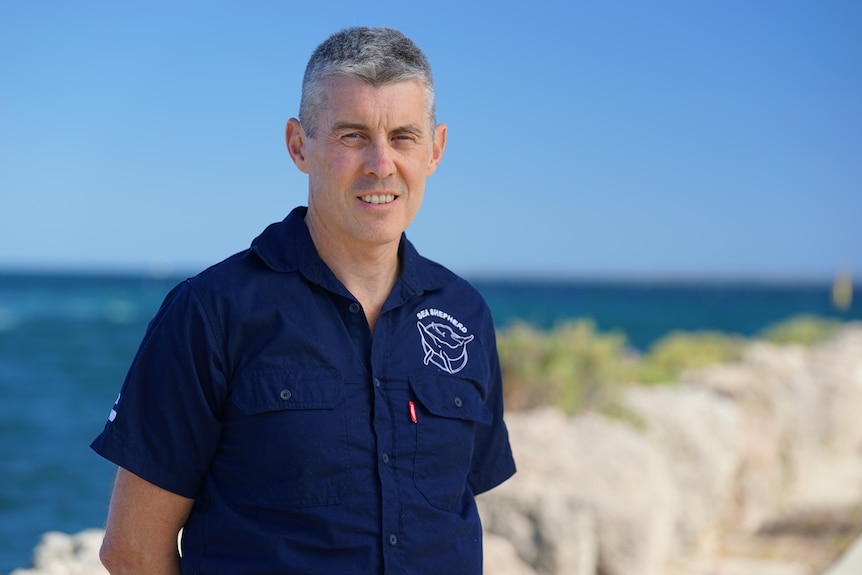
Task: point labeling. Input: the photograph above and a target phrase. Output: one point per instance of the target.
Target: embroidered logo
(444, 342)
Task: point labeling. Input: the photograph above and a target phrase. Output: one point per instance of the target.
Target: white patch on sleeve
(113, 415)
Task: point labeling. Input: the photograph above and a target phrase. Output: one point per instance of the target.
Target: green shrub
(576, 368)
(571, 366)
(801, 329)
(679, 351)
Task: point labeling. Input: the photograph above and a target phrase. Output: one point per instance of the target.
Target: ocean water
(67, 340)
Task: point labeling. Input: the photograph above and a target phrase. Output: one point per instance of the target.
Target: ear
(437, 148)
(295, 138)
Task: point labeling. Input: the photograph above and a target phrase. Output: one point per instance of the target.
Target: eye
(404, 138)
(352, 139)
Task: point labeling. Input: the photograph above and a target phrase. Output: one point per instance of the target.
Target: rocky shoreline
(722, 458)
(753, 468)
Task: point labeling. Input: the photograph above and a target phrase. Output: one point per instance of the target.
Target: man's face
(368, 161)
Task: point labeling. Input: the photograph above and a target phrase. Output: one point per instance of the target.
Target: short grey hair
(377, 56)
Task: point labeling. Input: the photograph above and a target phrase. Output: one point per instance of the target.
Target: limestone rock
(699, 434)
(61, 554)
(553, 534)
(501, 557)
(799, 418)
(574, 473)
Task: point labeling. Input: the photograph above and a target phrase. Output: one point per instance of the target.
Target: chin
(381, 237)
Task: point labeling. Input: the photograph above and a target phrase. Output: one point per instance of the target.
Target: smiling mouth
(378, 198)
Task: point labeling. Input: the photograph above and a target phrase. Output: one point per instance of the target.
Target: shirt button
(385, 458)
(393, 540)
(458, 402)
(355, 308)
(285, 394)
(376, 382)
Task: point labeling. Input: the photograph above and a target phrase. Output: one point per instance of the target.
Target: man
(327, 401)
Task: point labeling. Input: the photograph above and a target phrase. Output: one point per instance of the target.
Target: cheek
(417, 194)
(333, 171)
(417, 170)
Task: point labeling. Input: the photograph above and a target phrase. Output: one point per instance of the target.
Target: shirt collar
(286, 247)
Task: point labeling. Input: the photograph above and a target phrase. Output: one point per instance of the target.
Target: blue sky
(624, 139)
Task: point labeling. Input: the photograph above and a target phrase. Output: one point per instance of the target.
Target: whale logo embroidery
(443, 346)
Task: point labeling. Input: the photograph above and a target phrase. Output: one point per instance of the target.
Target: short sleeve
(492, 462)
(166, 423)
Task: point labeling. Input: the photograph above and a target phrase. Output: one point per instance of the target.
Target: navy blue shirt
(309, 446)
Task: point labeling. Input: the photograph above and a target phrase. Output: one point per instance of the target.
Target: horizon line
(166, 271)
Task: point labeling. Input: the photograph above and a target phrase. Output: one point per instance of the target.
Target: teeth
(378, 198)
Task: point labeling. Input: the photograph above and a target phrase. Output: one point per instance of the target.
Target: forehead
(352, 99)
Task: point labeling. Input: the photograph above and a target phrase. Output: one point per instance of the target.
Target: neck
(369, 272)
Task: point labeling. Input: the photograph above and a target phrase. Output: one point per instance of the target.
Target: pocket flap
(278, 390)
(451, 397)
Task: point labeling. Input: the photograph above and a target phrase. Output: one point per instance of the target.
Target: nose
(379, 161)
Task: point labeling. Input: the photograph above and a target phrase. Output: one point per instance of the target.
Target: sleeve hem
(116, 451)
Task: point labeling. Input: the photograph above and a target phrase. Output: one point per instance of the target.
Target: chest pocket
(448, 411)
(286, 441)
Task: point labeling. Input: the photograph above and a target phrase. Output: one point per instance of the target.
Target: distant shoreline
(512, 278)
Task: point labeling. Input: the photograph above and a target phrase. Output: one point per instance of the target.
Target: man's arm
(143, 523)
